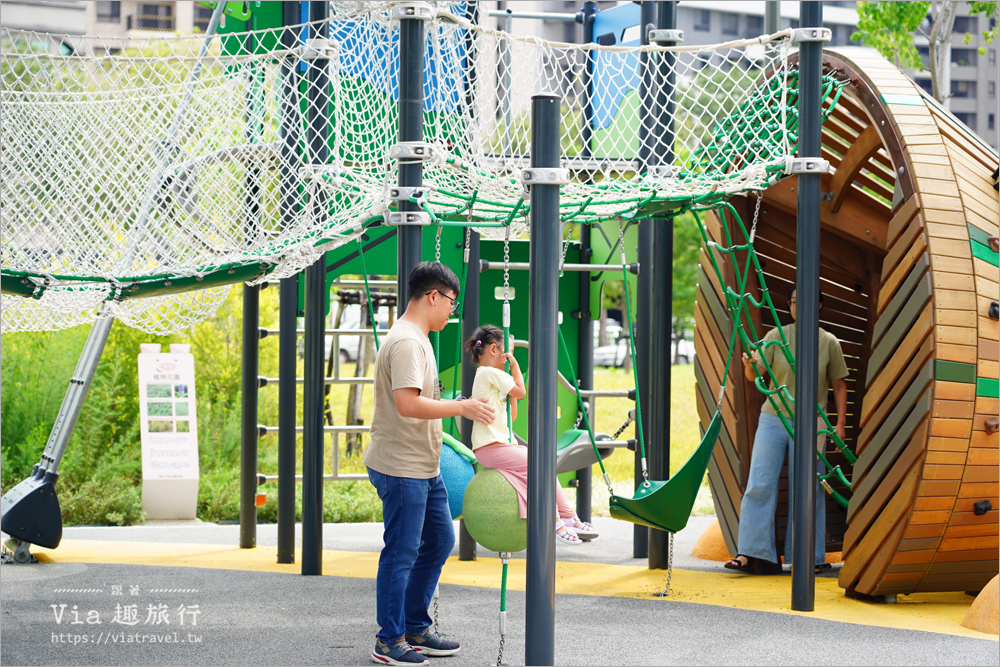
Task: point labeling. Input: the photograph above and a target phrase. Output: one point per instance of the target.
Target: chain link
(506, 265)
(565, 248)
(437, 626)
(437, 245)
(500, 654)
(756, 216)
(628, 421)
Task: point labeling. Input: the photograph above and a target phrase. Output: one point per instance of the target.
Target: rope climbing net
(170, 168)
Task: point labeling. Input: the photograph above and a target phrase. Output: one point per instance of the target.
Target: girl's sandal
(567, 536)
(583, 529)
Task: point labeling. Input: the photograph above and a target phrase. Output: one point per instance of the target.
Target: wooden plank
(720, 314)
(953, 409)
(945, 231)
(951, 428)
(910, 345)
(876, 568)
(914, 557)
(931, 530)
(899, 268)
(857, 156)
(986, 405)
(933, 170)
(954, 391)
(961, 568)
(945, 458)
(953, 218)
(942, 202)
(934, 487)
(875, 539)
(880, 454)
(973, 530)
(955, 335)
(918, 544)
(727, 522)
(862, 510)
(987, 369)
(944, 188)
(939, 471)
(970, 543)
(914, 306)
(965, 354)
(885, 403)
(900, 299)
(981, 490)
(970, 555)
(947, 444)
(878, 431)
(949, 248)
(983, 457)
(988, 349)
(954, 318)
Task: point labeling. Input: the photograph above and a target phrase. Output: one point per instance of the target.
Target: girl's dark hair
(482, 338)
(791, 291)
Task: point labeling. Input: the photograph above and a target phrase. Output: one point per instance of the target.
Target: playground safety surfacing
(253, 610)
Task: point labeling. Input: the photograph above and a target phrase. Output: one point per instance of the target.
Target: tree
(889, 28)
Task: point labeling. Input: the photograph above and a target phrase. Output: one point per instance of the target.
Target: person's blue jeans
(756, 536)
(419, 536)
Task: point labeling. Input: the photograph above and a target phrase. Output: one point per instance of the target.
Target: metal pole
(289, 297)
(807, 321)
(585, 356)
(772, 16)
(313, 437)
(663, 289)
(543, 304)
(644, 296)
(470, 321)
(251, 340)
(411, 128)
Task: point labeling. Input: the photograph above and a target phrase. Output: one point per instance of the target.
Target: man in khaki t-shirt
(403, 465)
(756, 539)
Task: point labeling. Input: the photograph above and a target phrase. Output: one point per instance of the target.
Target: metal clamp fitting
(407, 193)
(663, 36)
(415, 10)
(545, 176)
(412, 150)
(812, 35)
(806, 165)
(318, 47)
(665, 171)
(404, 218)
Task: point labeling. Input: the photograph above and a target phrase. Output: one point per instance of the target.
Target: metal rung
(263, 381)
(524, 266)
(326, 478)
(263, 430)
(264, 333)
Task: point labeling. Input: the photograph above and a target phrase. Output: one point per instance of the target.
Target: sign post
(169, 432)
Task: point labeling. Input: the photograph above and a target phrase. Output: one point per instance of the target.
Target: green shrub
(107, 500)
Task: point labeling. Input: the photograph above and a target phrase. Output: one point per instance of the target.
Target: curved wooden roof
(908, 276)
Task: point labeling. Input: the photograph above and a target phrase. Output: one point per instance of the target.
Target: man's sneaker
(396, 653)
(428, 643)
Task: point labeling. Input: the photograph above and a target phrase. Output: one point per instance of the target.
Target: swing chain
(756, 216)
(624, 426)
(670, 567)
(506, 264)
(566, 242)
(500, 653)
(437, 245)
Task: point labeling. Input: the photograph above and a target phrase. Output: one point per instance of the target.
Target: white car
(614, 354)
(351, 345)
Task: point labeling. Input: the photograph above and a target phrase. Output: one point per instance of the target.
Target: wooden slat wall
(907, 297)
(923, 461)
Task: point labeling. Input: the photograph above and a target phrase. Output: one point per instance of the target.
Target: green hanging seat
(666, 505)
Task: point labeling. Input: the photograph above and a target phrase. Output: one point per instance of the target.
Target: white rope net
(135, 168)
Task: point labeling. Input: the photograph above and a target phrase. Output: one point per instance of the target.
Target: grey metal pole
(543, 304)
(470, 321)
(411, 128)
(644, 296)
(251, 345)
(289, 296)
(663, 289)
(313, 437)
(807, 321)
(585, 345)
(772, 16)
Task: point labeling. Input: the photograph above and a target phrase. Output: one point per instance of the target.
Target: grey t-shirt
(404, 446)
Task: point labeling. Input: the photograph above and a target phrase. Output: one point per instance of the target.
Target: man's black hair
(791, 291)
(427, 276)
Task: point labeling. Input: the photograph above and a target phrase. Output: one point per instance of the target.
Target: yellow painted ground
(927, 612)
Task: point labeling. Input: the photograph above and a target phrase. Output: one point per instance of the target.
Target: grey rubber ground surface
(276, 619)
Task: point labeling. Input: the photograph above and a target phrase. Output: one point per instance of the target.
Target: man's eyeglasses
(454, 302)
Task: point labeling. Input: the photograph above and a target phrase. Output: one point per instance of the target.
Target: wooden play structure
(909, 278)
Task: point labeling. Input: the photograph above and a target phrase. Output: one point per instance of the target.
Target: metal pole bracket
(412, 150)
(806, 165)
(666, 36)
(415, 10)
(545, 176)
(321, 48)
(415, 194)
(812, 35)
(409, 218)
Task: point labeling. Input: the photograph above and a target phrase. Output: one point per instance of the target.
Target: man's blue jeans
(419, 536)
(756, 537)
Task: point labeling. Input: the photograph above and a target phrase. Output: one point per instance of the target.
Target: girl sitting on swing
(493, 443)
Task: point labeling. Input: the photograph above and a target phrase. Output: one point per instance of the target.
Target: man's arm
(840, 398)
(410, 403)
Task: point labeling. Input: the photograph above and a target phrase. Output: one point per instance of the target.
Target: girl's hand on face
(510, 357)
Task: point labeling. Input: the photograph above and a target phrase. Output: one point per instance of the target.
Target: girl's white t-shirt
(492, 384)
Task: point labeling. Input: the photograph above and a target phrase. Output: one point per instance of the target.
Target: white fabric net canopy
(140, 179)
